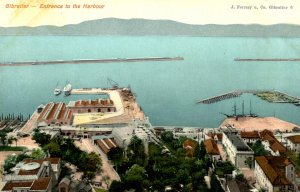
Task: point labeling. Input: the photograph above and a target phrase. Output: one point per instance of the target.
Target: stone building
(238, 151)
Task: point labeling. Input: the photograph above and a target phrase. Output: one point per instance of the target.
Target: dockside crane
(112, 83)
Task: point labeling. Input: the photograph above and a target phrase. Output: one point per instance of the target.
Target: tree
(116, 186)
(259, 149)
(37, 154)
(90, 164)
(215, 185)
(136, 151)
(249, 162)
(115, 155)
(9, 163)
(3, 135)
(134, 177)
(167, 136)
(53, 148)
(41, 138)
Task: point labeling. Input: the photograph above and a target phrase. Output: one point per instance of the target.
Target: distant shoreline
(80, 61)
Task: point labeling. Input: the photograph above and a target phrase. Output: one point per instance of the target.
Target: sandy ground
(107, 168)
(249, 174)
(3, 156)
(259, 123)
(26, 142)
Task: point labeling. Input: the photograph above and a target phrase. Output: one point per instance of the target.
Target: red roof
(272, 166)
(211, 147)
(41, 184)
(53, 160)
(294, 138)
(94, 103)
(106, 144)
(249, 135)
(10, 185)
(214, 135)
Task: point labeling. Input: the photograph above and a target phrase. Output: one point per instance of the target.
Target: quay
(91, 61)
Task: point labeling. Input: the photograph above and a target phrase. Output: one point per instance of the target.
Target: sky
(185, 11)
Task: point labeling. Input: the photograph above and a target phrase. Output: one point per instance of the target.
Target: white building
(293, 142)
(238, 151)
(250, 136)
(274, 174)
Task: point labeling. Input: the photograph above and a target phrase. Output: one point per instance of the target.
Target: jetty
(221, 97)
(91, 61)
(272, 96)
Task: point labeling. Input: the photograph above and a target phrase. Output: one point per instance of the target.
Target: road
(107, 169)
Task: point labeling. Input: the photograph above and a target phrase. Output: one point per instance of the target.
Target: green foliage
(135, 177)
(167, 136)
(92, 164)
(38, 154)
(249, 162)
(224, 168)
(41, 138)
(240, 177)
(53, 148)
(215, 184)
(259, 149)
(116, 186)
(115, 155)
(9, 163)
(9, 148)
(3, 135)
(89, 164)
(136, 151)
(161, 169)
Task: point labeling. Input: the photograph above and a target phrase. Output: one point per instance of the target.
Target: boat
(67, 89)
(57, 90)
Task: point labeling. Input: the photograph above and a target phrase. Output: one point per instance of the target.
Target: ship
(57, 90)
(67, 89)
(235, 115)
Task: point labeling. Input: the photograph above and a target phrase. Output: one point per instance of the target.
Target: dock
(90, 61)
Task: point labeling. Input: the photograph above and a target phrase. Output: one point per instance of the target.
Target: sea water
(168, 90)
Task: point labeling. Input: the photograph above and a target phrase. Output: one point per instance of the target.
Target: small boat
(67, 89)
(57, 90)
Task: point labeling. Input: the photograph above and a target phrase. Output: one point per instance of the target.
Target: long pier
(269, 59)
(81, 61)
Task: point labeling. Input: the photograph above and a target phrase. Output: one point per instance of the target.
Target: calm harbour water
(167, 91)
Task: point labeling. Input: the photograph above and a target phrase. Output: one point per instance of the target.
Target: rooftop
(41, 184)
(237, 141)
(294, 139)
(249, 134)
(211, 147)
(272, 166)
(10, 185)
